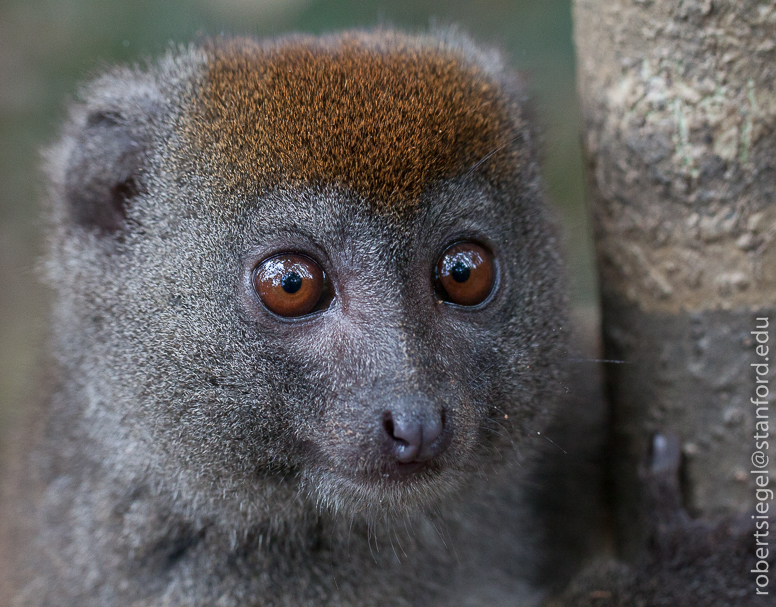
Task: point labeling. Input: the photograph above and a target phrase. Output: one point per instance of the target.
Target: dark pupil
(291, 282)
(460, 272)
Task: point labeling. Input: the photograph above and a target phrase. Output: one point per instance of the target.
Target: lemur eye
(289, 284)
(466, 273)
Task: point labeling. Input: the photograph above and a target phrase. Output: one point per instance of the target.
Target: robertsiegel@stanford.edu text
(760, 458)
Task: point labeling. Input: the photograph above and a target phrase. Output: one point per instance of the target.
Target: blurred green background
(48, 46)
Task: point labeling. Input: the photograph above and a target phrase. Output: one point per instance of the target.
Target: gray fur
(196, 450)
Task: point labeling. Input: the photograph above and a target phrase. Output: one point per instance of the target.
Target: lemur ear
(105, 167)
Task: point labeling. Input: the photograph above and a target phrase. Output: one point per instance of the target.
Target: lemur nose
(414, 438)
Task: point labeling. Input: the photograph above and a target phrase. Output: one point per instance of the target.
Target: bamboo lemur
(309, 306)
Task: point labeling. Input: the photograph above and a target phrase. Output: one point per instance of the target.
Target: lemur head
(313, 268)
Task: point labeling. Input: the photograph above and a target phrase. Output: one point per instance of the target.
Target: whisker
(398, 541)
(390, 541)
(461, 181)
(350, 528)
(504, 432)
(439, 533)
(545, 437)
(598, 360)
(407, 529)
(369, 540)
(476, 380)
(490, 154)
(444, 531)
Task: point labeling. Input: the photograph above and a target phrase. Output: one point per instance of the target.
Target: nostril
(406, 437)
(388, 423)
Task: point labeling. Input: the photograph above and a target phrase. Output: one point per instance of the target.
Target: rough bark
(679, 109)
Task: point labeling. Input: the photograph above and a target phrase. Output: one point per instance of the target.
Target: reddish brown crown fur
(382, 114)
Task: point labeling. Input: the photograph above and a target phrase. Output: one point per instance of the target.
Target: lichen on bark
(679, 100)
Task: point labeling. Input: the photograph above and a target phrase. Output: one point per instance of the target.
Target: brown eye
(466, 273)
(289, 284)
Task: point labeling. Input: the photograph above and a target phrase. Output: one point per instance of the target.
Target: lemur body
(213, 437)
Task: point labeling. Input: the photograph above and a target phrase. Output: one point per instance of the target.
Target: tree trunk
(679, 107)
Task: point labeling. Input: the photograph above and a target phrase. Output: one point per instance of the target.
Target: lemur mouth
(379, 484)
(410, 472)
(390, 473)
(403, 470)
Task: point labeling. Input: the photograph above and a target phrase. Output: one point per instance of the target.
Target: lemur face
(404, 354)
(368, 206)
